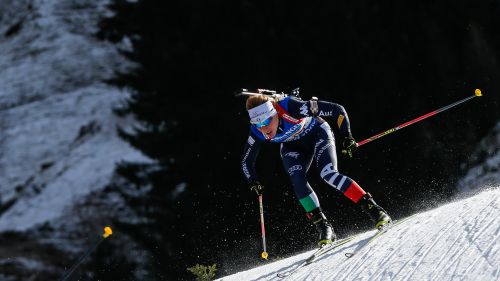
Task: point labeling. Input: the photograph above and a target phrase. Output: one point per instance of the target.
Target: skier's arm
(339, 114)
(250, 153)
(325, 109)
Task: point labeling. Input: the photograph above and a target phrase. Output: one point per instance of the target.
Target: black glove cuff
(348, 141)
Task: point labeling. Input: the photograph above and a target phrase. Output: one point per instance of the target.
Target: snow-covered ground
(457, 241)
(59, 146)
(486, 163)
(59, 140)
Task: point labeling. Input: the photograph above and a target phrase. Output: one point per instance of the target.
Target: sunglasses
(264, 123)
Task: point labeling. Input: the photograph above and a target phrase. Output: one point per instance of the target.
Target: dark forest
(385, 62)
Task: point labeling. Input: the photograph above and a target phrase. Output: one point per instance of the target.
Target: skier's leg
(326, 161)
(296, 162)
(376, 213)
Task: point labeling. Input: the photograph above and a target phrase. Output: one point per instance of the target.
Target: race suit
(305, 139)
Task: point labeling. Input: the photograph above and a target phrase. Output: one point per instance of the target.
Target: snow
(59, 141)
(59, 145)
(457, 241)
(487, 171)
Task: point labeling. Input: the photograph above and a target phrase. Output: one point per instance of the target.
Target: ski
(379, 233)
(319, 252)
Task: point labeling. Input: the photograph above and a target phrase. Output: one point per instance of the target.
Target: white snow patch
(458, 241)
(179, 189)
(59, 141)
(487, 172)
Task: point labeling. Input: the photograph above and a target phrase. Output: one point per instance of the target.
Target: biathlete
(305, 139)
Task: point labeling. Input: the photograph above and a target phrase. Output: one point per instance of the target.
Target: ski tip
(107, 232)
(478, 93)
(264, 255)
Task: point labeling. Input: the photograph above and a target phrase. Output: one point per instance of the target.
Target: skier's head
(263, 115)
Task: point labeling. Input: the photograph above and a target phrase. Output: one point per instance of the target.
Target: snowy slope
(58, 141)
(457, 241)
(58, 133)
(485, 161)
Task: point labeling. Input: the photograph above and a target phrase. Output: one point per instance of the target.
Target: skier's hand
(257, 187)
(349, 146)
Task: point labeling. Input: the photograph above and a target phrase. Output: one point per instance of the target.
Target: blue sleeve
(298, 109)
(250, 154)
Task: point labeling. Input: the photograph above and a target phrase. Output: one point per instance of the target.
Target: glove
(349, 146)
(257, 187)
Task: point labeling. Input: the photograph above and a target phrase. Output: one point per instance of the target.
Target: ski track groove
(453, 251)
(338, 267)
(497, 274)
(478, 233)
(355, 270)
(450, 223)
(451, 247)
(339, 272)
(458, 253)
(387, 259)
(404, 230)
(472, 244)
(396, 249)
(455, 243)
(441, 233)
(360, 259)
(493, 251)
(400, 239)
(444, 255)
(317, 273)
(481, 258)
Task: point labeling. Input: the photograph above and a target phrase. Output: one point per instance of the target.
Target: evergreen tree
(177, 191)
(370, 57)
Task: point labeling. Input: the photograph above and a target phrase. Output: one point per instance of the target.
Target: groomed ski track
(457, 241)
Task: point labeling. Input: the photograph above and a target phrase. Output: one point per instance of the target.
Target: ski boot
(376, 213)
(325, 229)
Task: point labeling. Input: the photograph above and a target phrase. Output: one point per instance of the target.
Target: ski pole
(477, 93)
(264, 254)
(107, 232)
